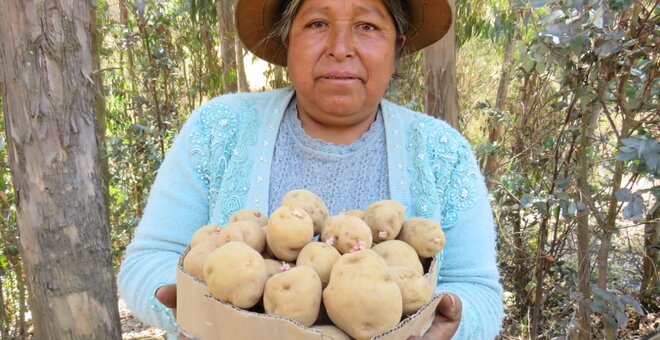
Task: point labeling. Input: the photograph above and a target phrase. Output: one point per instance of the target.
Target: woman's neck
(340, 131)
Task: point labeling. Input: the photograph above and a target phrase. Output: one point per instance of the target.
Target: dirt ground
(131, 328)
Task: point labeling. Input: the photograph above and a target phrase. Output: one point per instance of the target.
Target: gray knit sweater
(346, 177)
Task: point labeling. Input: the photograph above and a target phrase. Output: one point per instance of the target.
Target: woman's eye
(367, 27)
(316, 24)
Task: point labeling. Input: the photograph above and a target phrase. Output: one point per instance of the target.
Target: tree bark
(210, 54)
(610, 220)
(227, 36)
(4, 320)
(650, 288)
(243, 85)
(583, 232)
(50, 116)
(500, 102)
(441, 98)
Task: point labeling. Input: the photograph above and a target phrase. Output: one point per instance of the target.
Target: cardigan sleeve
(468, 263)
(176, 207)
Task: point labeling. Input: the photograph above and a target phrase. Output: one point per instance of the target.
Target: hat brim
(431, 19)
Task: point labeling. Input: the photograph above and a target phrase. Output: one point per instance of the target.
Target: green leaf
(578, 44)
(610, 326)
(608, 49)
(621, 317)
(632, 141)
(621, 156)
(599, 307)
(572, 209)
(597, 17)
(537, 3)
(629, 300)
(623, 195)
(563, 182)
(554, 16)
(604, 295)
(634, 210)
(526, 200)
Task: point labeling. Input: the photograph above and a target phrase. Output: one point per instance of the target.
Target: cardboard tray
(202, 317)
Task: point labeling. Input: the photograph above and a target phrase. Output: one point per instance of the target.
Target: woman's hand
(167, 295)
(446, 321)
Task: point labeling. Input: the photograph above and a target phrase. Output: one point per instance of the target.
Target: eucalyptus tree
(603, 58)
(51, 111)
(441, 97)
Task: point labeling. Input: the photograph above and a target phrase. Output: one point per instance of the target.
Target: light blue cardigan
(220, 163)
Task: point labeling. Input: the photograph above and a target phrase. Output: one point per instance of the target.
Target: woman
(333, 134)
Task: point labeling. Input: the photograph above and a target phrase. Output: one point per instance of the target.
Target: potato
(193, 263)
(289, 230)
(355, 212)
(295, 293)
(397, 253)
(236, 273)
(346, 233)
(385, 219)
(252, 233)
(333, 333)
(424, 235)
(249, 215)
(203, 233)
(228, 234)
(362, 298)
(275, 267)
(311, 203)
(267, 253)
(321, 257)
(415, 289)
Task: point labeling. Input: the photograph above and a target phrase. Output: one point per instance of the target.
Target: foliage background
(570, 87)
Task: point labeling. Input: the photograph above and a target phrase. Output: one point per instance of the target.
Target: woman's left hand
(446, 321)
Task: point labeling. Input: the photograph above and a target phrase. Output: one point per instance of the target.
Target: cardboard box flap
(416, 324)
(202, 317)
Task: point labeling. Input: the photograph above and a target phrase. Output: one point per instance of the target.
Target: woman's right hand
(167, 295)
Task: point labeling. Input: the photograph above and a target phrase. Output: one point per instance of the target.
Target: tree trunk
(243, 85)
(210, 54)
(610, 221)
(132, 112)
(227, 36)
(50, 119)
(22, 301)
(4, 320)
(101, 123)
(583, 232)
(500, 102)
(440, 68)
(152, 83)
(520, 260)
(540, 268)
(650, 288)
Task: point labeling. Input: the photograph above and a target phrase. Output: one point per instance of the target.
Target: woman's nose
(340, 43)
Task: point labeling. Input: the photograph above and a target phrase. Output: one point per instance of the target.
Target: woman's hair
(289, 8)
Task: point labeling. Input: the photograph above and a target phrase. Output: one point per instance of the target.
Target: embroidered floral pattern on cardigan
(222, 136)
(444, 172)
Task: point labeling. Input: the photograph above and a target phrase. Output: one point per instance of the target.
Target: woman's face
(341, 57)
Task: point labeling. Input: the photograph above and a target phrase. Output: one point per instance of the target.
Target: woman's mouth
(340, 77)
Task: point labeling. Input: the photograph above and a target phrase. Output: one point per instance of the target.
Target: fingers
(167, 295)
(450, 307)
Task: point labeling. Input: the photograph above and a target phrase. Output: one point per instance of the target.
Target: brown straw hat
(431, 20)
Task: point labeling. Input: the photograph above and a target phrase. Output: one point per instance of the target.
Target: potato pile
(352, 275)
